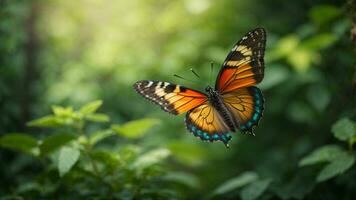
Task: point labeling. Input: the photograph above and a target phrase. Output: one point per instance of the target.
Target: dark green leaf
(135, 129)
(20, 142)
(68, 156)
(344, 129)
(255, 189)
(323, 14)
(319, 97)
(322, 154)
(184, 178)
(336, 167)
(235, 183)
(54, 142)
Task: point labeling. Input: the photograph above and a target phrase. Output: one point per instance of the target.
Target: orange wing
(171, 98)
(244, 66)
(246, 106)
(206, 123)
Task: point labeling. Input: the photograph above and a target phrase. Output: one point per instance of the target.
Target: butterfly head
(209, 89)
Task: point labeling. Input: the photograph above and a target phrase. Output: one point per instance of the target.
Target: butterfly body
(234, 104)
(216, 101)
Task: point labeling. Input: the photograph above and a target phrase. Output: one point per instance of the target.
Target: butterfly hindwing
(171, 98)
(246, 105)
(206, 123)
(244, 65)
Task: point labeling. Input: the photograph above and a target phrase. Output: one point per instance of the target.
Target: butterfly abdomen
(217, 102)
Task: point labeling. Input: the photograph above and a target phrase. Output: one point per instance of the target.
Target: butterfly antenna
(211, 71)
(180, 77)
(196, 74)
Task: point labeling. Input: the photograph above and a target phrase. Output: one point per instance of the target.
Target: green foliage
(135, 129)
(54, 142)
(67, 158)
(69, 53)
(344, 129)
(237, 182)
(336, 167)
(338, 159)
(255, 189)
(20, 142)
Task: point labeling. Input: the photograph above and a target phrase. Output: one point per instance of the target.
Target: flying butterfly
(233, 104)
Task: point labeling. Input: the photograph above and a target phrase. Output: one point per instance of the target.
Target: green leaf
(62, 112)
(49, 121)
(54, 142)
(344, 129)
(98, 117)
(322, 154)
(110, 159)
(336, 167)
(91, 107)
(20, 142)
(255, 189)
(151, 158)
(135, 129)
(100, 135)
(236, 182)
(184, 178)
(67, 158)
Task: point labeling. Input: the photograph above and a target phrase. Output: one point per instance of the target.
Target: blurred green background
(119, 146)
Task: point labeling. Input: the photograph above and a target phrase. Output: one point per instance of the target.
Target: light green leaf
(135, 129)
(336, 167)
(67, 158)
(98, 117)
(62, 112)
(322, 154)
(91, 107)
(255, 189)
(54, 142)
(236, 182)
(344, 129)
(184, 178)
(151, 158)
(20, 142)
(100, 135)
(49, 121)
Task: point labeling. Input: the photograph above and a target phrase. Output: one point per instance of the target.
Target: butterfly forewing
(244, 65)
(171, 98)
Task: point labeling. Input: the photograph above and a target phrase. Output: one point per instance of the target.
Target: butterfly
(233, 104)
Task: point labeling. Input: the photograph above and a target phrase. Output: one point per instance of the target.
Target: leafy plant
(338, 159)
(73, 150)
